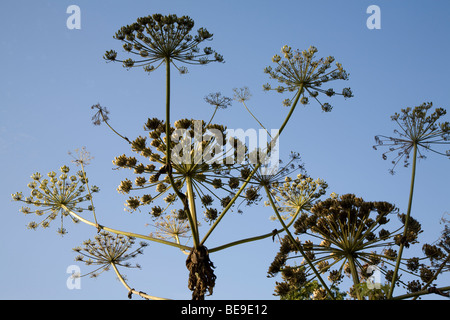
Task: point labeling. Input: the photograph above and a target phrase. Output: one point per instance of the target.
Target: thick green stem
(192, 211)
(355, 277)
(167, 111)
(296, 245)
(408, 214)
(192, 223)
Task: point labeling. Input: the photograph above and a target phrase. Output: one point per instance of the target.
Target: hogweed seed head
(171, 226)
(199, 151)
(241, 94)
(416, 127)
(218, 101)
(54, 196)
(81, 156)
(298, 194)
(157, 38)
(101, 115)
(344, 228)
(299, 69)
(107, 249)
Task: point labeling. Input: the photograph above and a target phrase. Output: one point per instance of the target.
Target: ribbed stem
(296, 245)
(192, 223)
(408, 214)
(192, 211)
(355, 277)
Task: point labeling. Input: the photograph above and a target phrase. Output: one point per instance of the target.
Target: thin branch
(296, 245)
(125, 233)
(132, 291)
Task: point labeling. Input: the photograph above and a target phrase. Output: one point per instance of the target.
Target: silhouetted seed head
(107, 249)
(155, 39)
(218, 101)
(101, 115)
(55, 195)
(298, 69)
(171, 226)
(416, 128)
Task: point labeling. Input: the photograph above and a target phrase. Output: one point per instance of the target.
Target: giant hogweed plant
(188, 169)
(345, 236)
(418, 131)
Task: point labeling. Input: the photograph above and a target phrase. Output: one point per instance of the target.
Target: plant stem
(294, 104)
(89, 191)
(300, 90)
(192, 211)
(354, 272)
(256, 118)
(215, 110)
(420, 293)
(225, 210)
(125, 233)
(125, 138)
(296, 245)
(130, 290)
(408, 213)
(436, 273)
(192, 223)
(260, 237)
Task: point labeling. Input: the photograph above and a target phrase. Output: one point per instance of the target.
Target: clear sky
(51, 75)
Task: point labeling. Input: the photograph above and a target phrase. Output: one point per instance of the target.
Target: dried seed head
(157, 38)
(299, 70)
(417, 128)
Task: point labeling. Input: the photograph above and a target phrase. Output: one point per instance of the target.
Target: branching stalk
(90, 195)
(192, 210)
(225, 210)
(256, 118)
(192, 223)
(212, 117)
(408, 213)
(255, 169)
(125, 233)
(354, 272)
(423, 292)
(105, 120)
(436, 273)
(260, 237)
(297, 246)
(132, 291)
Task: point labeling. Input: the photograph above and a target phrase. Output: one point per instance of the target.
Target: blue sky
(52, 75)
